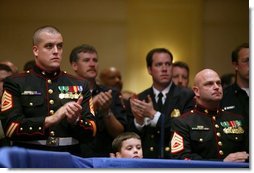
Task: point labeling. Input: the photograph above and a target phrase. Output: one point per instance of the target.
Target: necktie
(161, 145)
(159, 102)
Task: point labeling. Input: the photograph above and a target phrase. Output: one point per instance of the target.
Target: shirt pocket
(200, 139)
(33, 105)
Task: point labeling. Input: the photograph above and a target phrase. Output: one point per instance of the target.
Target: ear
(35, 50)
(196, 91)
(74, 66)
(118, 155)
(235, 64)
(149, 70)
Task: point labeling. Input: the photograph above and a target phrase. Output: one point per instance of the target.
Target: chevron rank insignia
(6, 103)
(176, 143)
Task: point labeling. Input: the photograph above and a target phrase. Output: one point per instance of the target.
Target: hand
(136, 111)
(237, 157)
(148, 108)
(73, 111)
(70, 110)
(103, 100)
(144, 108)
(112, 155)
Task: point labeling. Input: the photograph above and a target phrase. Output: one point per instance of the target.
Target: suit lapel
(171, 100)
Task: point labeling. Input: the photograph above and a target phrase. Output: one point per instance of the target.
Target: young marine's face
(48, 51)
(131, 148)
(180, 76)
(161, 69)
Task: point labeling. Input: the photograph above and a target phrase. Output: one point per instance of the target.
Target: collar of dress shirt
(164, 91)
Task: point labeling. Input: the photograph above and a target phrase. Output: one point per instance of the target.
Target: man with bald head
(111, 77)
(208, 132)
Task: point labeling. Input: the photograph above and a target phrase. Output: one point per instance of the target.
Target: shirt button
(50, 91)
(214, 118)
(218, 134)
(51, 102)
(167, 149)
(52, 133)
(49, 81)
(221, 152)
(200, 139)
(220, 143)
(21, 129)
(151, 148)
(30, 128)
(31, 104)
(217, 126)
(51, 112)
(39, 128)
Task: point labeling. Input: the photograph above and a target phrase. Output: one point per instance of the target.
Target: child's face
(131, 148)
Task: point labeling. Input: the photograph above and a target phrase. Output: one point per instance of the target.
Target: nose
(55, 49)
(216, 86)
(180, 79)
(135, 150)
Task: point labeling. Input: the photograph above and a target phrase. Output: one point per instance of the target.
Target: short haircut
(82, 48)
(235, 52)
(149, 56)
(118, 141)
(46, 28)
(5, 68)
(182, 65)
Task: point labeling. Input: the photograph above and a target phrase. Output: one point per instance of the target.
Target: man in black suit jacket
(150, 120)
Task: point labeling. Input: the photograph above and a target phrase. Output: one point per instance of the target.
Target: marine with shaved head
(208, 132)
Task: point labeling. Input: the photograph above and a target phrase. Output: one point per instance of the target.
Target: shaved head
(200, 76)
(111, 77)
(207, 88)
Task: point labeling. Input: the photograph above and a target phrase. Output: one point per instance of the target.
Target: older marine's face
(49, 51)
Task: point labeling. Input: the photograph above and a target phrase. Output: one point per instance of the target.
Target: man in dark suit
(152, 110)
